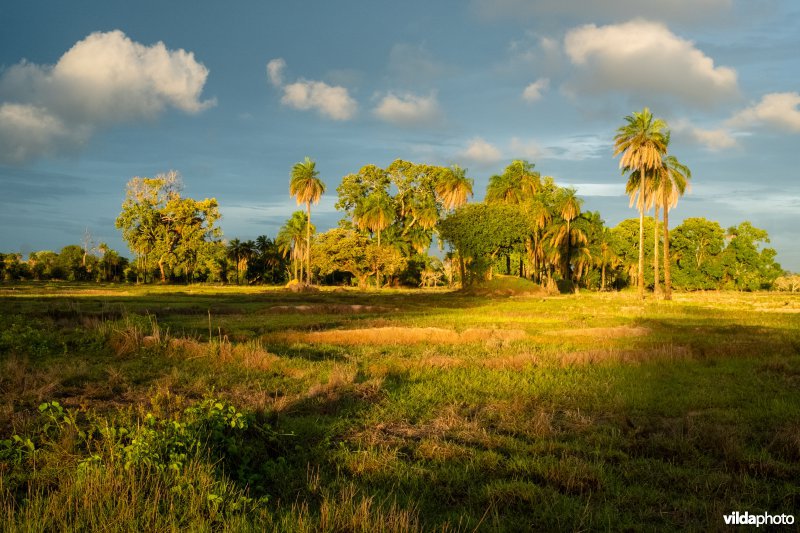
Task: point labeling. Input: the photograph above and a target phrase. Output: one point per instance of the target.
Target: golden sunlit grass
(401, 336)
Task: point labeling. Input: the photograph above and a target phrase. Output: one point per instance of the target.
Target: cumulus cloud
(711, 139)
(481, 152)
(333, 102)
(643, 57)
(777, 110)
(533, 92)
(275, 70)
(408, 109)
(106, 78)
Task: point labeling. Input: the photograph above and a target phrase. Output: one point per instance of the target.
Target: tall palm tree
(234, 253)
(290, 240)
(375, 214)
(568, 206)
(642, 143)
(672, 181)
(454, 187)
(307, 188)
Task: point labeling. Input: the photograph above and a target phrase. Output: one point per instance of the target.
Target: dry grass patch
(604, 333)
(403, 336)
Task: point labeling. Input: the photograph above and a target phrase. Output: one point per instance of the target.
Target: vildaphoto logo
(746, 519)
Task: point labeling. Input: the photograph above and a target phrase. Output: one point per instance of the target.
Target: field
(163, 408)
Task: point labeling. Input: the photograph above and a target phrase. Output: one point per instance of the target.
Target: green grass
(581, 412)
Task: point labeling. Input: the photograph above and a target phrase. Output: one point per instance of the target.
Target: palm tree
(515, 185)
(307, 188)
(672, 181)
(568, 206)
(235, 253)
(290, 239)
(453, 187)
(375, 214)
(642, 143)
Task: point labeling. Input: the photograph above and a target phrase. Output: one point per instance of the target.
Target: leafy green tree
(641, 143)
(696, 247)
(747, 264)
(625, 244)
(163, 228)
(479, 232)
(307, 188)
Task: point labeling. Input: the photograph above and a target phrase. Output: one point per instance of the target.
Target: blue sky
(232, 97)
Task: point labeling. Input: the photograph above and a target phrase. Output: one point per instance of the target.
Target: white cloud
(481, 152)
(275, 70)
(408, 109)
(778, 110)
(533, 92)
(643, 57)
(104, 79)
(331, 102)
(713, 139)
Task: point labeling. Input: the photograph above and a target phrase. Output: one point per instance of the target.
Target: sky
(231, 95)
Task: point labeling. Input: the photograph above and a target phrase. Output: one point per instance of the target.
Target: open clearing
(397, 410)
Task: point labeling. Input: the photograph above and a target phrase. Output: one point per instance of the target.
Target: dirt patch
(611, 332)
(402, 335)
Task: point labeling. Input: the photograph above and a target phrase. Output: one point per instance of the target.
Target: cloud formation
(104, 79)
(332, 102)
(275, 70)
(408, 109)
(646, 58)
(713, 139)
(533, 92)
(481, 152)
(777, 110)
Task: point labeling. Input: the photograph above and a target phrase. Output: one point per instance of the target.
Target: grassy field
(164, 408)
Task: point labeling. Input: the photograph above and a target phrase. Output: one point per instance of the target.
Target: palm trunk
(508, 264)
(603, 277)
(462, 270)
(308, 244)
(377, 264)
(567, 272)
(640, 281)
(667, 265)
(656, 273)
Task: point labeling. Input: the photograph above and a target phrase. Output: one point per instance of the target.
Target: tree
(165, 229)
(747, 265)
(642, 143)
(375, 215)
(307, 188)
(290, 240)
(696, 247)
(479, 232)
(454, 187)
(568, 207)
(671, 182)
(515, 185)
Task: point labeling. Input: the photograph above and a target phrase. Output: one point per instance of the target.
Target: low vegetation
(243, 408)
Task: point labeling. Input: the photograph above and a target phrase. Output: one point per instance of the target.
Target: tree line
(526, 226)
